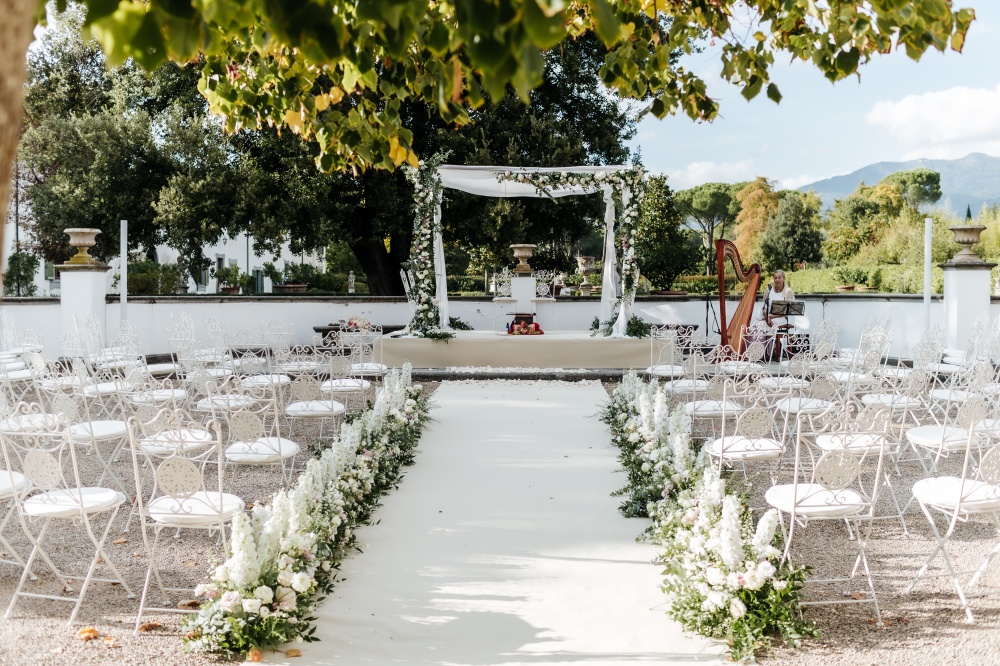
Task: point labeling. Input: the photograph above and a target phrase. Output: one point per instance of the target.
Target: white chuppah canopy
(485, 181)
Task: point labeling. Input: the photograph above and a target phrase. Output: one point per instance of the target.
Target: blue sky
(944, 106)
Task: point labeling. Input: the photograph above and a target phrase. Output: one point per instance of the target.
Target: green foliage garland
(426, 200)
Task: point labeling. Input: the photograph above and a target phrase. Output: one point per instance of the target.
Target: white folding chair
(47, 457)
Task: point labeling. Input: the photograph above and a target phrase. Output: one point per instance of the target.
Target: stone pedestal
(83, 285)
(522, 289)
(967, 289)
(82, 291)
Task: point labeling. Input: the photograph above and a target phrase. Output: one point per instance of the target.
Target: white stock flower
(714, 577)
(766, 569)
(730, 542)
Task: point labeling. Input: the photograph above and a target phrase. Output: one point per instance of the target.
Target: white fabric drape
(625, 311)
(609, 282)
(440, 272)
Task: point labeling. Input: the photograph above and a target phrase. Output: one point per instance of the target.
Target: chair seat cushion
(743, 448)
(890, 400)
(103, 388)
(197, 510)
(811, 500)
(261, 451)
(12, 483)
(689, 385)
(933, 436)
(947, 491)
(168, 441)
(11, 366)
(802, 405)
(162, 369)
(97, 431)
(950, 395)
(855, 442)
(316, 409)
(783, 383)
(158, 396)
(369, 368)
(665, 370)
(230, 402)
(345, 385)
(299, 367)
(740, 367)
(264, 381)
(711, 408)
(70, 502)
(944, 368)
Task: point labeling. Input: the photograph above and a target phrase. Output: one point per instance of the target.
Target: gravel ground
(926, 626)
(37, 632)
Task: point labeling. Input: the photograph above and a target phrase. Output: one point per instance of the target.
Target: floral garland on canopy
(723, 576)
(626, 192)
(426, 202)
(285, 555)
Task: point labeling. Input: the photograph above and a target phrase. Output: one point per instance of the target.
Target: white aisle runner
(502, 546)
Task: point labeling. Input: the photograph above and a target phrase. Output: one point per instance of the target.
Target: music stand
(787, 308)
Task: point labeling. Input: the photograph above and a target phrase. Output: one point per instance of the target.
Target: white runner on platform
(502, 546)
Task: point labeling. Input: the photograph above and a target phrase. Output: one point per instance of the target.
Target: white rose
(221, 574)
(229, 601)
(264, 593)
(766, 569)
(301, 582)
(264, 611)
(736, 608)
(207, 590)
(779, 584)
(714, 577)
(752, 580)
(285, 577)
(251, 606)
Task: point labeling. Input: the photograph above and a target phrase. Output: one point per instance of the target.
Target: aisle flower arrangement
(285, 553)
(723, 575)
(426, 202)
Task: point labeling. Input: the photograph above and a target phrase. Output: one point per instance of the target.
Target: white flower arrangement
(284, 554)
(722, 577)
(426, 200)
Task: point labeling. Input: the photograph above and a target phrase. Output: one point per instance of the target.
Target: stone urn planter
(229, 291)
(82, 239)
(523, 252)
(966, 235)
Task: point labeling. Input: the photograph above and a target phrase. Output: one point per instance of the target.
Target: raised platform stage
(573, 349)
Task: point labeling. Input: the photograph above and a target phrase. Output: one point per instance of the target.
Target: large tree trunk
(381, 269)
(16, 33)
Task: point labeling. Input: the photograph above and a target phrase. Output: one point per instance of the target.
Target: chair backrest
(42, 449)
(755, 422)
(663, 347)
(695, 365)
(823, 388)
(972, 411)
(304, 387)
(719, 387)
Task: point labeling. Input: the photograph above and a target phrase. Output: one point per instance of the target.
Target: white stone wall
(152, 315)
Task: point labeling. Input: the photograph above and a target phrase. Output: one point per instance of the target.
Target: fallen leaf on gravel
(255, 655)
(110, 642)
(57, 650)
(249, 505)
(149, 626)
(119, 542)
(189, 604)
(885, 623)
(857, 595)
(293, 653)
(903, 620)
(88, 634)
(137, 554)
(190, 563)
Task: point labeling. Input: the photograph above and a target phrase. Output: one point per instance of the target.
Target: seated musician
(777, 291)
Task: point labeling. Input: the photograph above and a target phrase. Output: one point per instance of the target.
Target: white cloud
(696, 173)
(942, 124)
(796, 182)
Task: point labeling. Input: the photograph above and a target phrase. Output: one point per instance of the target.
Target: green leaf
(176, 8)
(773, 93)
(183, 37)
(606, 24)
(438, 38)
(488, 54)
(543, 30)
(98, 9)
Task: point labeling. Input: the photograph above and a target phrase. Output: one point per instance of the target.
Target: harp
(732, 332)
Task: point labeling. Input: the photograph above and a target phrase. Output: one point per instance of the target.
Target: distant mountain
(972, 181)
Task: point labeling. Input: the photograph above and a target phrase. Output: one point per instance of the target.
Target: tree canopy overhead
(340, 70)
